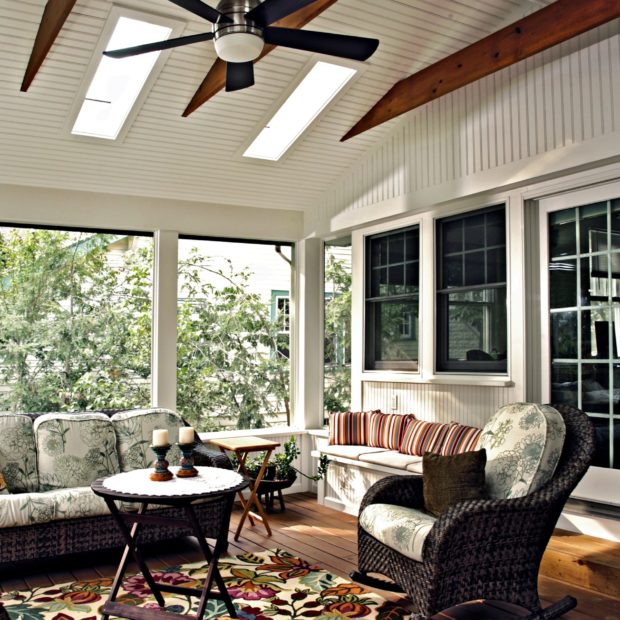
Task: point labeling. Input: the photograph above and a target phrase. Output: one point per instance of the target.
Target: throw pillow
(349, 428)
(448, 480)
(3, 488)
(421, 437)
(459, 439)
(385, 430)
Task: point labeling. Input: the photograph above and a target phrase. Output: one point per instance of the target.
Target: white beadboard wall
(519, 123)
(466, 404)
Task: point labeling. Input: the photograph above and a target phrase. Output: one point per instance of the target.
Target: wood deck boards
(323, 536)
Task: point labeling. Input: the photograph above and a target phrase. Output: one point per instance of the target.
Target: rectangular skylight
(303, 105)
(118, 82)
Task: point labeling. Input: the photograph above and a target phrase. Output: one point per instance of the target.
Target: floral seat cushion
(523, 442)
(18, 456)
(402, 529)
(134, 435)
(74, 449)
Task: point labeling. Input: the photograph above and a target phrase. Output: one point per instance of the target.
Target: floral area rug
(263, 586)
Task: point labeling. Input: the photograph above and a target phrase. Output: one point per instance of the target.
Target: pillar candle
(186, 434)
(160, 437)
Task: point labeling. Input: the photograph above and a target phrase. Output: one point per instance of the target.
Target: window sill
(386, 376)
(253, 432)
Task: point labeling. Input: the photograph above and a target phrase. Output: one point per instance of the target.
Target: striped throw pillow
(385, 430)
(421, 437)
(348, 428)
(459, 439)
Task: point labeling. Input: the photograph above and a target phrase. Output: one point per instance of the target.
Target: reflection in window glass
(75, 320)
(233, 334)
(337, 326)
(585, 317)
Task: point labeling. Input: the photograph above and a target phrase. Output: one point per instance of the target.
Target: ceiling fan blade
(239, 75)
(202, 10)
(158, 45)
(345, 46)
(271, 11)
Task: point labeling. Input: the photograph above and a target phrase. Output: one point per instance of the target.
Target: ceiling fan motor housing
(240, 40)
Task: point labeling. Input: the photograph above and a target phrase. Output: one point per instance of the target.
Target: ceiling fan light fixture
(239, 46)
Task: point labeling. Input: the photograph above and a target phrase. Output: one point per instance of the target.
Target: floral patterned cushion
(18, 456)
(74, 449)
(30, 508)
(402, 529)
(523, 442)
(134, 435)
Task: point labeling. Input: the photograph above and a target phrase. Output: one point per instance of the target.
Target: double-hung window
(471, 292)
(392, 299)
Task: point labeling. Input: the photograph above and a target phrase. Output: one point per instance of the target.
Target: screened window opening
(392, 300)
(75, 320)
(471, 292)
(584, 300)
(337, 326)
(233, 334)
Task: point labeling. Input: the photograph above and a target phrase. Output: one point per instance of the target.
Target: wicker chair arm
(398, 490)
(210, 457)
(510, 525)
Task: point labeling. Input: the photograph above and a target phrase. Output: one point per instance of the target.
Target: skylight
(304, 104)
(117, 83)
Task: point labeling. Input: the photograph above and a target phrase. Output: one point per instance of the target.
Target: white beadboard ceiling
(196, 158)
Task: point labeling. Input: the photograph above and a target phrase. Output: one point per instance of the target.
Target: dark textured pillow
(451, 479)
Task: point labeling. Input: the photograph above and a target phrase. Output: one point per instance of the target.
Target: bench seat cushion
(402, 529)
(391, 458)
(349, 451)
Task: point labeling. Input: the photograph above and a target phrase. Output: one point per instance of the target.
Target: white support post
(164, 344)
(308, 377)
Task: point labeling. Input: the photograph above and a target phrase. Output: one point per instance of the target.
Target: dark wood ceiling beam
(215, 79)
(54, 17)
(539, 31)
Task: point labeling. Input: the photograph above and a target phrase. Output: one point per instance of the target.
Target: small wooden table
(242, 446)
(211, 482)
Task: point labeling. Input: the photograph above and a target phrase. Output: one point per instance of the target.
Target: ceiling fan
(242, 27)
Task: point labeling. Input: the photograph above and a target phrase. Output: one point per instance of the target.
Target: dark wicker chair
(482, 549)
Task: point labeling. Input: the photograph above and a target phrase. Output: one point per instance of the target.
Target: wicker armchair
(483, 549)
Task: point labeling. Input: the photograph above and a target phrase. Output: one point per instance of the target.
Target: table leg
(131, 546)
(253, 499)
(241, 459)
(213, 574)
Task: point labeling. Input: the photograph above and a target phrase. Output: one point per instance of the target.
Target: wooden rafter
(538, 31)
(215, 79)
(54, 17)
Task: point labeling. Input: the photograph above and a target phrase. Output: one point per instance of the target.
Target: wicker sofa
(48, 462)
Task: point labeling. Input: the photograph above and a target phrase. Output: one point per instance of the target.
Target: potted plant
(281, 473)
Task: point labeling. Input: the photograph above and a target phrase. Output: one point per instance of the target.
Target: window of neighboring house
(337, 326)
(75, 320)
(233, 362)
(392, 299)
(471, 292)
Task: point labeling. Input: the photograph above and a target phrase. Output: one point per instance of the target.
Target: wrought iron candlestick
(187, 460)
(161, 472)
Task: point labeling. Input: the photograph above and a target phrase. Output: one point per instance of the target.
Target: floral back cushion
(74, 449)
(134, 433)
(523, 442)
(18, 456)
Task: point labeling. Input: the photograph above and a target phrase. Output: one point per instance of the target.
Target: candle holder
(187, 461)
(161, 473)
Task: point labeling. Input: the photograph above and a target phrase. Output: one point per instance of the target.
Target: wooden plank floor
(308, 530)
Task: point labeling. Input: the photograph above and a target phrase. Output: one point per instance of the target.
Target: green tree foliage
(337, 371)
(75, 333)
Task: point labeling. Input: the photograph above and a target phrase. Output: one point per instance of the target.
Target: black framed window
(392, 299)
(471, 292)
